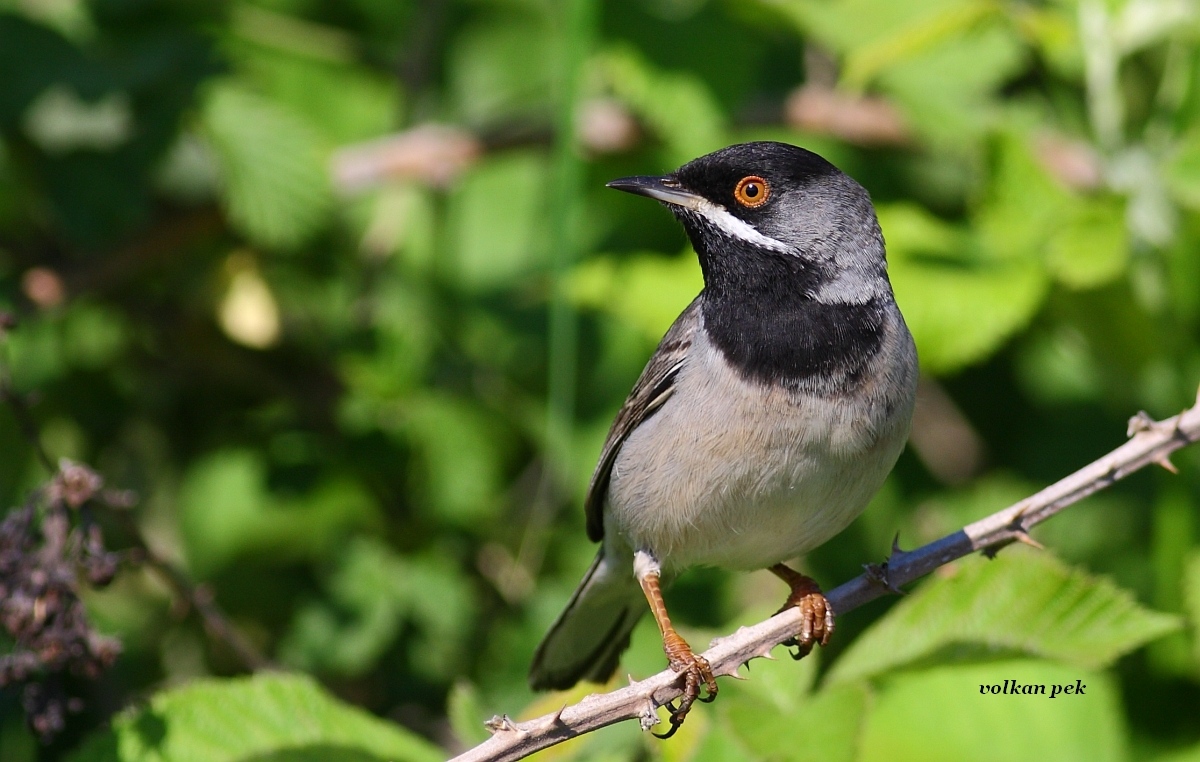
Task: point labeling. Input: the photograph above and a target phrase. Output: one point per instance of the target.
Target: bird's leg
(817, 624)
(695, 669)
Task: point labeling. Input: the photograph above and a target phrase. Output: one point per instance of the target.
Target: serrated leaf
(275, 186)
(939, 715)
(1020, 601)
(268, 716)
(346, 103)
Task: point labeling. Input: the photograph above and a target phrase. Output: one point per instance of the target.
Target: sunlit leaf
(280, 717)
(823, 728)
(1019, 601)
(959, 308)
(345, 103)
(1183, 171)
(275, 186)
(647, 290)
(940, 715)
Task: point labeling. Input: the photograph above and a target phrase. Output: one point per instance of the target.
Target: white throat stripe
(721, 218)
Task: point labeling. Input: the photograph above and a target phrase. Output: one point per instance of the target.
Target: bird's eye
(752, 191)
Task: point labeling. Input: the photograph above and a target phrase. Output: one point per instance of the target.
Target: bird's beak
(665, 189)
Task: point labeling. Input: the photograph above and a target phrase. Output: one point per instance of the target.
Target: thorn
(1139, 423)
(556, 718)
(1022, 536)
(502, 724)
(1165, 462)
(895, 547)
(734, 674)
(629, 677)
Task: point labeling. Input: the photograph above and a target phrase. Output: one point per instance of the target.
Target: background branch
(1150, 442)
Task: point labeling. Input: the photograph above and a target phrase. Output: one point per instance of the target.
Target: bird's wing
(652, 389)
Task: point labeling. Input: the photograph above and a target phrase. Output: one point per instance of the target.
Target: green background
(365, 410)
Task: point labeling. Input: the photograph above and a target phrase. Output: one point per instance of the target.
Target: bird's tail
(589, 636)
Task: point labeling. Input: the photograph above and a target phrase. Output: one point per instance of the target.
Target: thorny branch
(1150, 442)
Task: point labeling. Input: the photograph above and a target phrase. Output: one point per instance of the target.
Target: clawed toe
(816, 621)
(696, 674)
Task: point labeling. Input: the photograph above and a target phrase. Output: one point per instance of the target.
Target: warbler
(770, 414)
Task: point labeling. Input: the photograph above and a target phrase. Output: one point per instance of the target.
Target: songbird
(770, 414)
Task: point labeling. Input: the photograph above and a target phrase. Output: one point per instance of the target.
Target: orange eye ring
(752, 191)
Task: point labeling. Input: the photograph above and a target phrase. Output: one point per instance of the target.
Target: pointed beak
(665, 189)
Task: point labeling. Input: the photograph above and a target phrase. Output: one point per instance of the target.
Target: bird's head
(775, 207)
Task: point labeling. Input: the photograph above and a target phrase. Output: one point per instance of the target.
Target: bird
(767, 418)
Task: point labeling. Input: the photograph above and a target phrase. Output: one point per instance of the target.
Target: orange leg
(817, 624)
(695, 669)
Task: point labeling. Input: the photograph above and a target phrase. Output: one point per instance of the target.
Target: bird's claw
(816, 623)
(696, 673)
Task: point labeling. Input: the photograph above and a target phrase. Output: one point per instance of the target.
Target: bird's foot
(816, 623)
(696, 673)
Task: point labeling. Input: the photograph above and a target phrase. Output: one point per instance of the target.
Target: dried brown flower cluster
(49, 549)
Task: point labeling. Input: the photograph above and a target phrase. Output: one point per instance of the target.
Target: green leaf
(1191, 602)
(276, 188)
(1183, 171)
(1019, 601)
(503, 69)
(959, 307)
(227, 511)
(823, 728)
(939, 714)
(466, 714)
(1187, 755)
(267, 717)
(345, 103)
(495, 221)
(647, 290)
(678, 107)
(458, 465)
(946, 93)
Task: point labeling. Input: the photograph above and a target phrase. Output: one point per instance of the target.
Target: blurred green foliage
(343, 405)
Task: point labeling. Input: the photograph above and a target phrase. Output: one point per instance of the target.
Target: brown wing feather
(653, 388)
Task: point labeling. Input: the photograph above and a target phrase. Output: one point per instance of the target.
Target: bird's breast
(731, 472)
